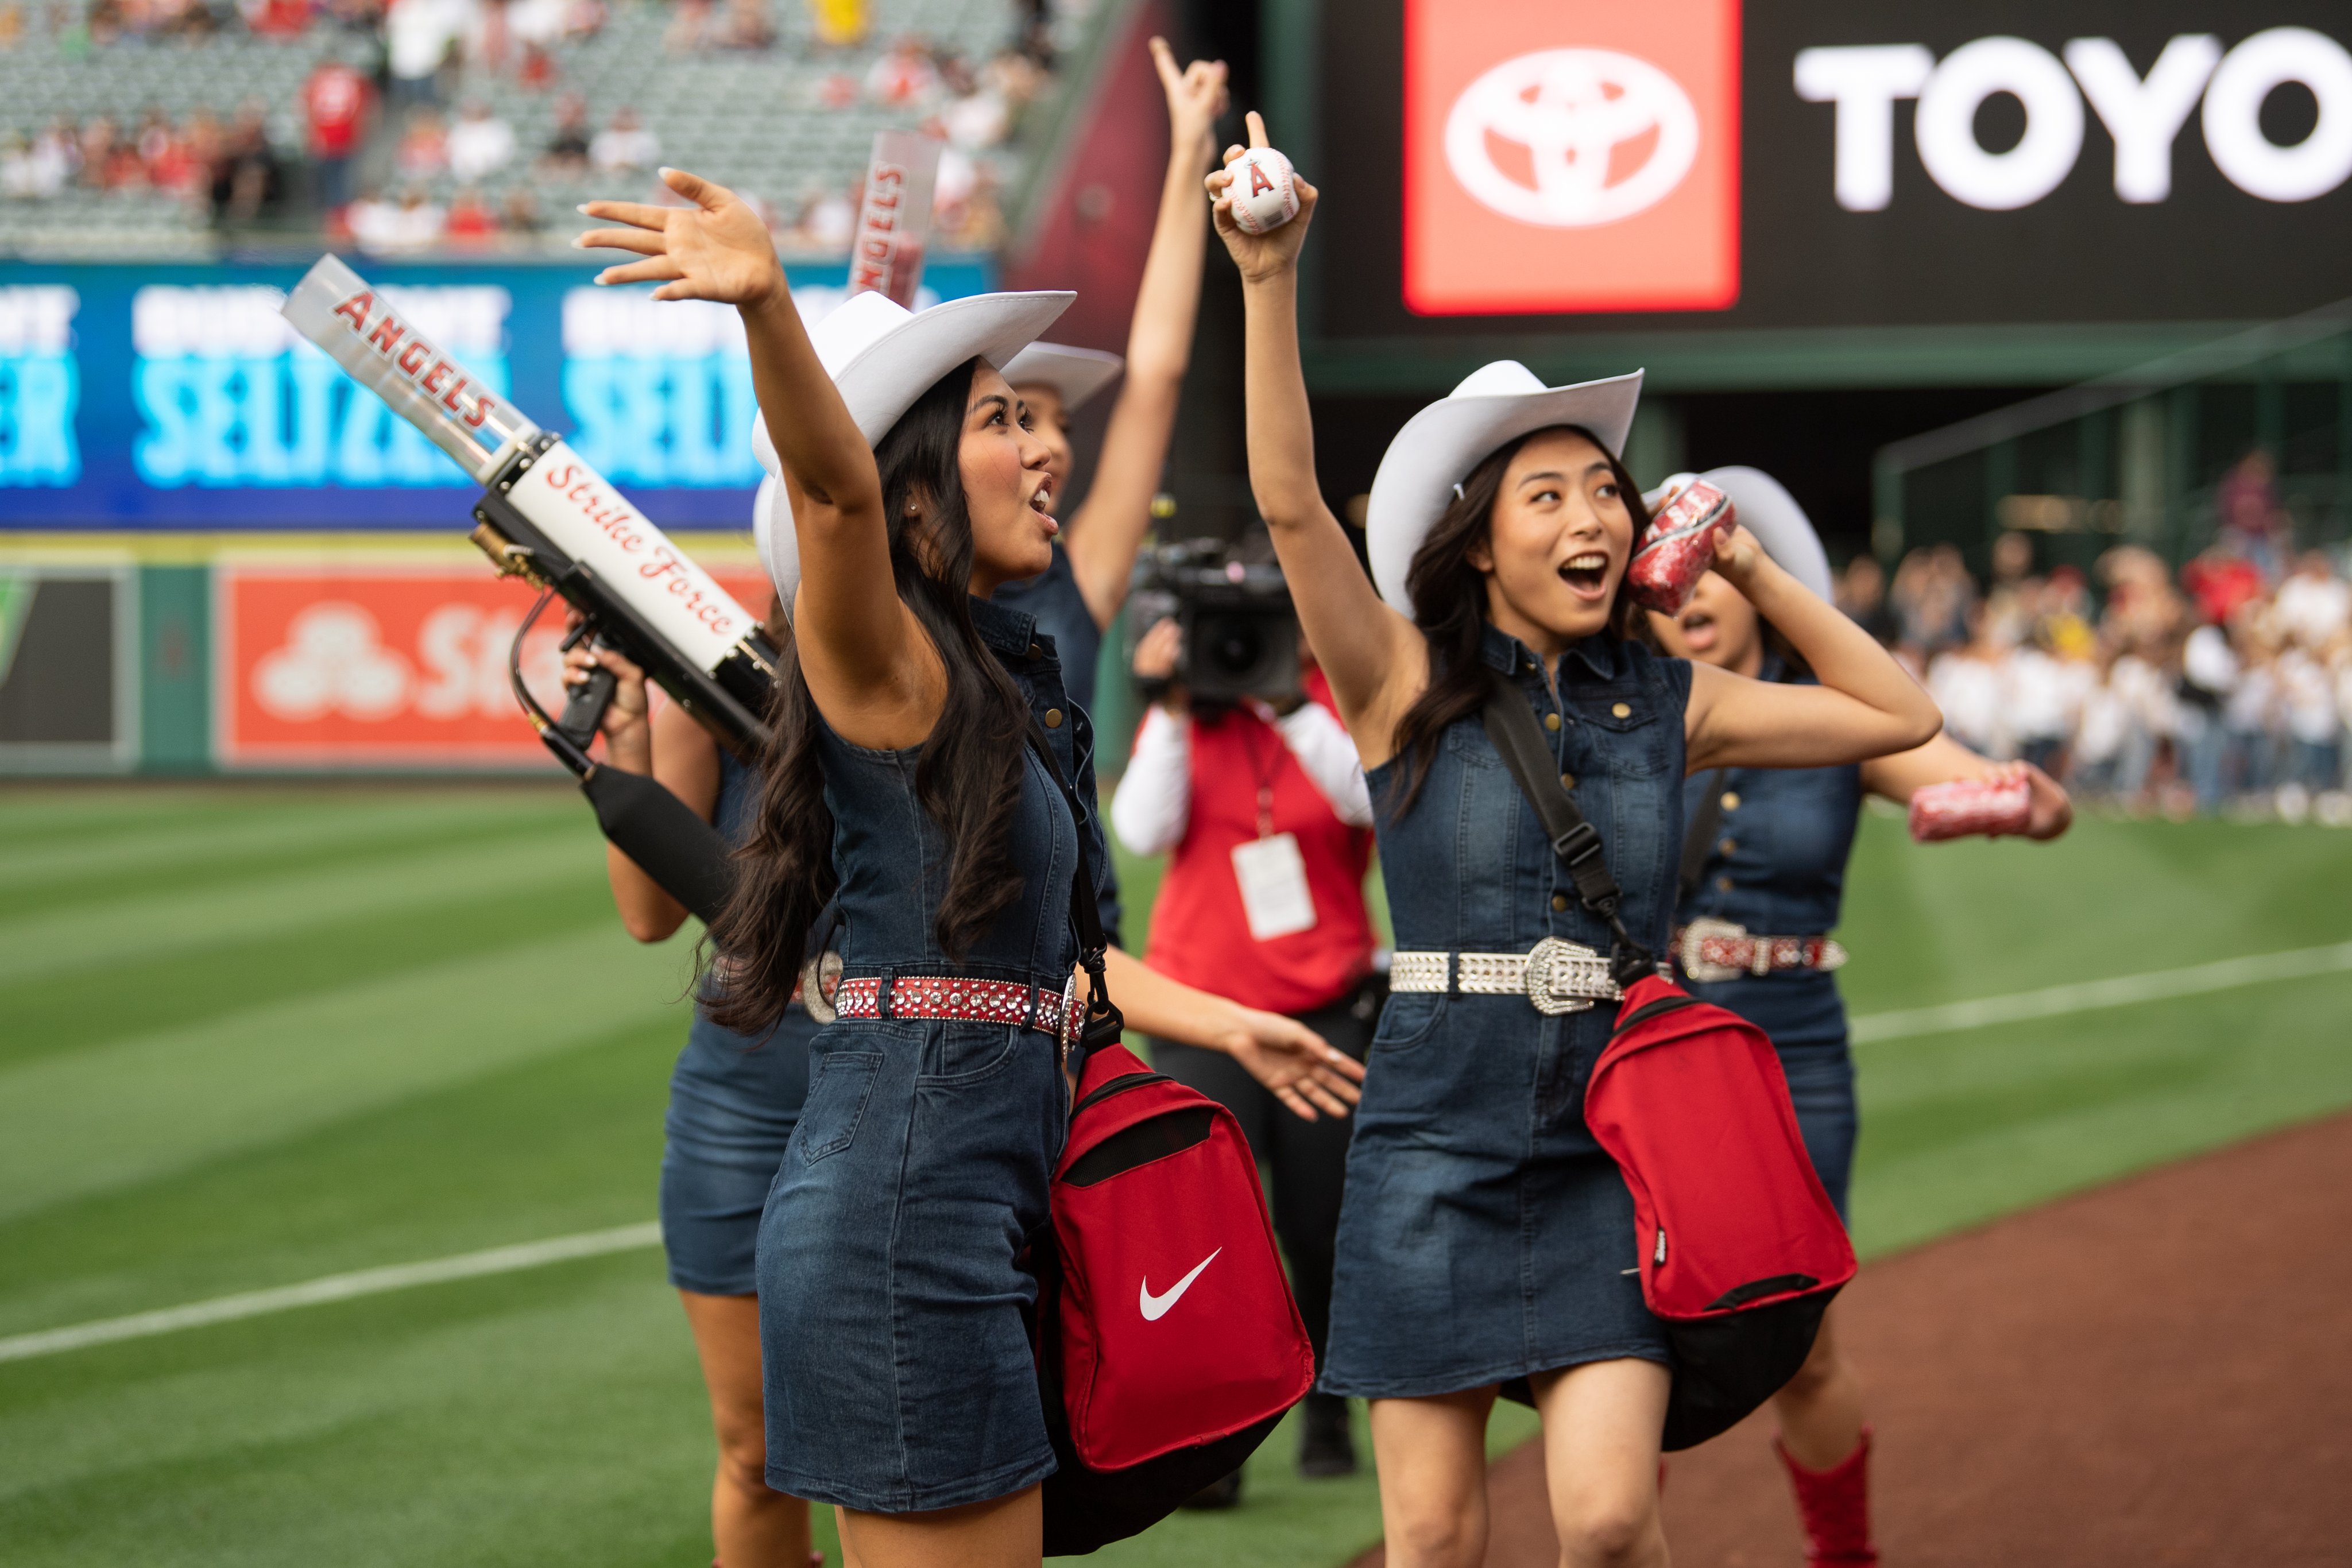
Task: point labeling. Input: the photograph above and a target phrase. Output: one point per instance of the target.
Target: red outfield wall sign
(383, 666)
(1568, 157)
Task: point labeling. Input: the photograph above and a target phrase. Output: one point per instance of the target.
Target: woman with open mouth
(916, 784)
(1486, 1242)
(1762, 872)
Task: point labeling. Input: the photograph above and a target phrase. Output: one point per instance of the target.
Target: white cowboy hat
(1765, 507)
(883, 357)
(1440, 445)
(1075, 373)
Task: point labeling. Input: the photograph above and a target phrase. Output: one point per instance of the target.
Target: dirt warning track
(2155, 1374)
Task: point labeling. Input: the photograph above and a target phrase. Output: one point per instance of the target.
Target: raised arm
(1103, 536)
(1866, 705)
(1376, 660)
(873, 673)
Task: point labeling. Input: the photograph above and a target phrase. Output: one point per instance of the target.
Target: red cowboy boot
(1835, 1506)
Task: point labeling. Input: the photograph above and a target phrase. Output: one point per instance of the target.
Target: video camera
(547, 516)
(1239, 632)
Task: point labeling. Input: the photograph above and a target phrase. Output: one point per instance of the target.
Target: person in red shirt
(1266, 821)
(335, 101)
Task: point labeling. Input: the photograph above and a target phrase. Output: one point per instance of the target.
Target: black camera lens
(1234, 644)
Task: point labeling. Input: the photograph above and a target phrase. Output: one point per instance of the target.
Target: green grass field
(253, 1037)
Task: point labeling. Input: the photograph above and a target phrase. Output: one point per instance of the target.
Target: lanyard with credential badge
(1275, 899)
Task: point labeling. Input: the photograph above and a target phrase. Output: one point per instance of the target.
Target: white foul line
(2123, 990)
(333, 1288)
(2052, 1001)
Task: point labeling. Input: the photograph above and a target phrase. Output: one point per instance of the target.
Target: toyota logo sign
(1571, 158)
(1571, 138)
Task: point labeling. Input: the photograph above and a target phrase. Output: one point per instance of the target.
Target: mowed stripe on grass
(555, 1414)
(2124, 990)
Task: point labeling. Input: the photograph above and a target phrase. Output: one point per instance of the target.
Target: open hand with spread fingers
(1306, 1072)
(1259, 256)
(715, 249)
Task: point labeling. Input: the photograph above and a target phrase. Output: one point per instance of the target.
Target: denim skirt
(895, 1284)
(1485, 1234)
(734, 1100)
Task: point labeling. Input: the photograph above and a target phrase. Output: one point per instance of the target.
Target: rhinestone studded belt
(1712, 950)
(979, 1002)
(1557, 977)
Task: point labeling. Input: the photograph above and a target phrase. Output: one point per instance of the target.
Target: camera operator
(1262, 806)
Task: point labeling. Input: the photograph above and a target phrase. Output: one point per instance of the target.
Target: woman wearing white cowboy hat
(1093, 561)
(1485, 1239)
(1763, 871)
(899, 1385)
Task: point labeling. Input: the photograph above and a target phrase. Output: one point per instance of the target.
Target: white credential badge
(1581, 116)
(1275, 896)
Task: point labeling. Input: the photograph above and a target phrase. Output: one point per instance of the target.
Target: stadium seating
(755, 119)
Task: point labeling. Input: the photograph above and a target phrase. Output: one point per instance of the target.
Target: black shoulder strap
(1698, 839)
(1512, 729)
(1103, 1021)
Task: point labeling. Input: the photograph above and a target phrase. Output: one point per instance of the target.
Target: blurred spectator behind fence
(480, 143)
(336, 101)
(624, 144)
(567, 148)
(2233, 696)
(1266, 821)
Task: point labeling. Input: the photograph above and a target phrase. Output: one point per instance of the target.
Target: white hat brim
(1440, 445)
(1764, 506)
(1074, 374)
(880, 380)
(882, 358)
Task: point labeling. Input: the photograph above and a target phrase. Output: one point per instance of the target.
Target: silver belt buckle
(1071, 1017)
(1699, 931)
(1562, 975)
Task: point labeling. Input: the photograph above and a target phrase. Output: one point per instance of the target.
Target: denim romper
(734, 1099)
(1485, 1234)
(1784, 875)
(896, 1364)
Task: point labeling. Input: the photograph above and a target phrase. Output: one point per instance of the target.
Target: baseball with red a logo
(1265, 195)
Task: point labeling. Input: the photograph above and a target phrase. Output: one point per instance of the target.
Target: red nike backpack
(1169, 1344)
(1741, 1249)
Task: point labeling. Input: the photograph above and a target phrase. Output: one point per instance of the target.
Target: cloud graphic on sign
(333, 662)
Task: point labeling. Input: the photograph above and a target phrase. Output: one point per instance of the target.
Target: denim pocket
(837, 1103)
(1624, 721)
(968, 1053)
(1408, 1018)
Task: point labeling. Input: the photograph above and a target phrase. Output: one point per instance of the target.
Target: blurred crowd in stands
(401, 129)
(2223, 688)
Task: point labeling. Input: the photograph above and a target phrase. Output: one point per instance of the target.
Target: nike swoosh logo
(1156, 1307)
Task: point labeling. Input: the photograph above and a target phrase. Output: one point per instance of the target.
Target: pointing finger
(1163, 61)
(1257, 129)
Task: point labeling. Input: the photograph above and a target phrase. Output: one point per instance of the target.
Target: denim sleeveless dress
(1777, 867)
(898, 1369)
(733, 1101)
(1485, 1234)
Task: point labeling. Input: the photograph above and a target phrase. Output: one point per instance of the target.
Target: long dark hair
(967, 780)
(1449, 605)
